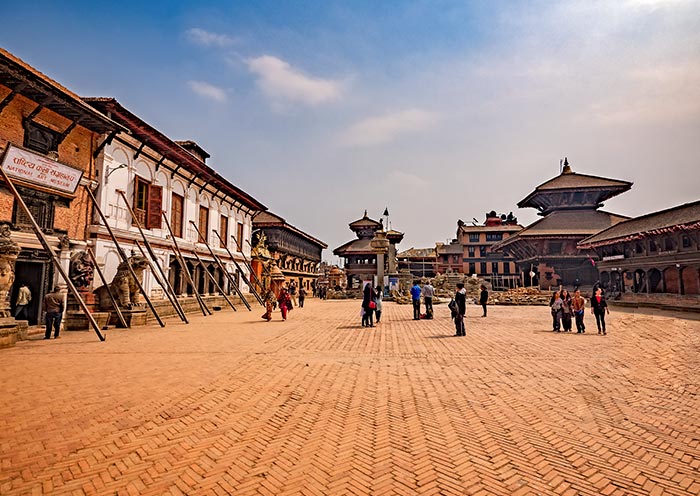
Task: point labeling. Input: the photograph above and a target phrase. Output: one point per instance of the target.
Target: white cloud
(207, 38)
(281, 82)
(385, 128)
(208, 91)
(407, 179)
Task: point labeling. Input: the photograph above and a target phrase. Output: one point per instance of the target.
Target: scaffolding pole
(124, 258)
(167, 289)
(122, 321)
(250, 269)
(181, 260)
(221, 266)
(47, 247)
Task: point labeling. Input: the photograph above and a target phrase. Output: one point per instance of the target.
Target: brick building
(477, 257)
(420, 262)
(569, 205)
(50, 122)
(297, 253)
(652, 259)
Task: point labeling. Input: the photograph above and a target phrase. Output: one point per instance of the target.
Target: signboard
(613, 257)
(31, 167)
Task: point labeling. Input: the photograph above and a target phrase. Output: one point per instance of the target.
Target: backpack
(452, 305)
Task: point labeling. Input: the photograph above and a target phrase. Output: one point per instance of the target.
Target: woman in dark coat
(368, 305)
(599, 307)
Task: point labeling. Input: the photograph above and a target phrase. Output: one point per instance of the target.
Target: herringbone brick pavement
(319, 405)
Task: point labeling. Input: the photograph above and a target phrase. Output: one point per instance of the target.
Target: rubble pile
(521, 296)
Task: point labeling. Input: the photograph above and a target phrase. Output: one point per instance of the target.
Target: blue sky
(440, 110)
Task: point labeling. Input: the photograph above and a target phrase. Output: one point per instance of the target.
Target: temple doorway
(34, 275)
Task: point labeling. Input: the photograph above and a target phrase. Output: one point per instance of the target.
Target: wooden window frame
(203, 230)
(177, 224)
(149, 206)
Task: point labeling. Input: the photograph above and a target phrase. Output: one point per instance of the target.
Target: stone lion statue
(123, 286)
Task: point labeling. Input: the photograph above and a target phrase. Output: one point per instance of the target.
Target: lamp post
(380, 246)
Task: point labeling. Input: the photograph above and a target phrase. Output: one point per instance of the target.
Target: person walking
(566, 310)
(428, 293)
(378, 303)
(461, 311)
(53, 306)
(415, 298)
(578, 304)
(23, 298)
(599, 307)
(368, 305)
(483, 298)
(269, 301)
(293, 293)
(285, 302)
(555, 305)
(302, 297)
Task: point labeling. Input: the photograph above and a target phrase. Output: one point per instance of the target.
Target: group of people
(371, 305)
(428, 292)
(286, 300)
(564, 306)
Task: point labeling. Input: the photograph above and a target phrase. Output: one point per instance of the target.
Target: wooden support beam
(65, 133)
(160, 162)
(138, 152)
(108, 139)
(6, 101)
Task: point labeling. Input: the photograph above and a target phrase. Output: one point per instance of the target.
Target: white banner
(31, 167)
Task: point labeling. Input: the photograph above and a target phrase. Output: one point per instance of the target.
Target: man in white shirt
(428, 293)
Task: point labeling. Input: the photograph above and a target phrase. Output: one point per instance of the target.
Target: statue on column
(8, 256)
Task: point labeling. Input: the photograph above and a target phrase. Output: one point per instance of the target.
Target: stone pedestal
(8, 332)
(76, 320)
(22, 330)
(132, 317)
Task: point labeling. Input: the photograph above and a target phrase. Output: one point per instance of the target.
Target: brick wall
(76, 151)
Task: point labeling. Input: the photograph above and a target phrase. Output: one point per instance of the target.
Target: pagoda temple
(360, 260)
(546, 251)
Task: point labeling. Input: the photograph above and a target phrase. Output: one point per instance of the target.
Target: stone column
(380, 246)
(8, 256)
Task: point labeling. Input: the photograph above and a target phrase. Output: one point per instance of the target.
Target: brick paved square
(318, 405)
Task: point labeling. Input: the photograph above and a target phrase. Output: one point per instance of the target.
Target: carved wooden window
(494, 267)
(148, 203)
(494, 236)
(203, 224)
(40, 138)
(506, 267)
(42, 211)
(473, 237)
(176, 214)
(472, 268)
(482, 268)
(223, 231)
(239, 237)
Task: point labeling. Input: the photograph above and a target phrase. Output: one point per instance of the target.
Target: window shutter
(155, 207)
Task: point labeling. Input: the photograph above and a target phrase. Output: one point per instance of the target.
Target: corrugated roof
(418, 253)
(686, 215)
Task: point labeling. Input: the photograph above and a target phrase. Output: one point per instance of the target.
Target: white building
(158, 174)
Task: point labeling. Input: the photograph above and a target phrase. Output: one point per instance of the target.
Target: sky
(437, 110)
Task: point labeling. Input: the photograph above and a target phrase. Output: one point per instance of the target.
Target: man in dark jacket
(461, 300)
(483, 298)
(53, 306)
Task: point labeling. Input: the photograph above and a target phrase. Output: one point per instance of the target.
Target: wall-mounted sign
(31, 167)
(613, 257)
